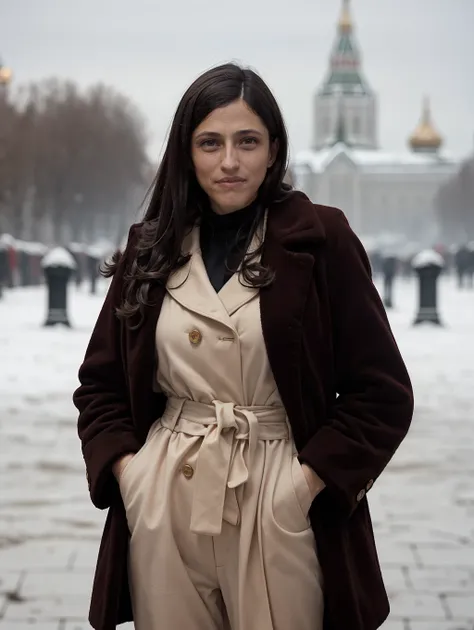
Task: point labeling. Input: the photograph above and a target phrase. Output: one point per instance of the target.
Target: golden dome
(425, 136)
(345, 21)
(5, 75)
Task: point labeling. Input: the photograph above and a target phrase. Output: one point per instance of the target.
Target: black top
(223, 238)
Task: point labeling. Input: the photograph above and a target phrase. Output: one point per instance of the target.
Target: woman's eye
(250, 141)
(209, 143)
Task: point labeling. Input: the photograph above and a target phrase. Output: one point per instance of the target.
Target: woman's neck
(232, 219)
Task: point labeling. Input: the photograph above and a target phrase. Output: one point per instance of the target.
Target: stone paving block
(21, 625)
(441, 625)
(399, 555)
(412, 535)
(9, 581)
(34, 525)
(48, 609)
(462, 557)
(437, 580)
(393, 625)
(461, 606)
(85, 556)
(36, 555)
(61, 584)
(411, 605)
(394, 578)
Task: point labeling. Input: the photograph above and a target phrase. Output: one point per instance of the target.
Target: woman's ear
(274, 146)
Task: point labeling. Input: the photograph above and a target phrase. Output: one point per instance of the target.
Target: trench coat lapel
(191, 287)
(294, 233)
(234, 294)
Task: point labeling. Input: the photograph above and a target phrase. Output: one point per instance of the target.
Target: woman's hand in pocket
(314, 481)
(120, 465)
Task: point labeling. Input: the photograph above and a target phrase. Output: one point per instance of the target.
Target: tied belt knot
(230, 433)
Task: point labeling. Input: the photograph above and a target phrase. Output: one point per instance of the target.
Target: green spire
(345, 66)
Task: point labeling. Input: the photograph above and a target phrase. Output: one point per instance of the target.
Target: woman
(241, 391)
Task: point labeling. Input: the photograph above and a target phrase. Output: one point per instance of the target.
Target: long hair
(176, 198)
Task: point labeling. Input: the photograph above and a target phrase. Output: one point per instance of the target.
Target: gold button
(361, 495)
(188, 471)
(195, 337)
(369, 484)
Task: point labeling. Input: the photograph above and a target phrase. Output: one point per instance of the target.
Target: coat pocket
(291, 497)
(300, 486)
(127, 474)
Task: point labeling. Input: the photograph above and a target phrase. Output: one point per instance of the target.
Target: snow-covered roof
(59, 257)
(374, 160)
(427, 258)
(77, 248)
(30, 247)
(7, 239)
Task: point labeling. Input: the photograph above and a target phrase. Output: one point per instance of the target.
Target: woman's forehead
(233, 118)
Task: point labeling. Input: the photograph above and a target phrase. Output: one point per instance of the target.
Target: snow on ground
(422, 506)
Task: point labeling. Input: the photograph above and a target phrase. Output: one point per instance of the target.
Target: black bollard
(462, 263)
(428, 265)
(389, 269)
(58, 267)
(8, 243)
(78, 253)
(470, 265)
(93, 265)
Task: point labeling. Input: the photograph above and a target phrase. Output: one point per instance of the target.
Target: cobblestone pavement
(423, 505)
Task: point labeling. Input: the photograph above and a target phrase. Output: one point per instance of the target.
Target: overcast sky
(152, 49)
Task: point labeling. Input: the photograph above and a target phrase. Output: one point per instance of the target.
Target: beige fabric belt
(227, 430)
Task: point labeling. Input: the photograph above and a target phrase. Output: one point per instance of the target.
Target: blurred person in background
(241, 391)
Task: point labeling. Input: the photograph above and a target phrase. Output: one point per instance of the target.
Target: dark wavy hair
(176, 198)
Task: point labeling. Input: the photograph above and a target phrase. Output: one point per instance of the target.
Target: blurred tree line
(73, 165)
(455, 206)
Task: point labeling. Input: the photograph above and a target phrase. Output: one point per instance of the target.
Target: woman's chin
(225, 204)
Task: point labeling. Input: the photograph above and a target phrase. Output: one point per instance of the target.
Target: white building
(381, 192)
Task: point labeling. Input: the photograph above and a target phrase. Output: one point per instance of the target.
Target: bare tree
(72, 162)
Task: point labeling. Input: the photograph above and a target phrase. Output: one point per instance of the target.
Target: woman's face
(231, 152)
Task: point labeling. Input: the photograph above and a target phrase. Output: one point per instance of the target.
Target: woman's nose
(230, 160)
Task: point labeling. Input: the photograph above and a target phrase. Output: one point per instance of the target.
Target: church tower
(345, 99)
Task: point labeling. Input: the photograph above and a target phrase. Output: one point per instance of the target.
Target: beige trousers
(217, 506)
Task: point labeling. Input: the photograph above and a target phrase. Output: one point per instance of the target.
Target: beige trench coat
(216, 500)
